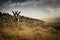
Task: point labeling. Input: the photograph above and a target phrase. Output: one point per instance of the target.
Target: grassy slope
(55, 22)
(28, 29)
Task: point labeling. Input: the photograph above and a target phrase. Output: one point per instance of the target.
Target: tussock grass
(28, 29)
(13, 31)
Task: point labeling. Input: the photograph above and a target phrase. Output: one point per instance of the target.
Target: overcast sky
(32, 8)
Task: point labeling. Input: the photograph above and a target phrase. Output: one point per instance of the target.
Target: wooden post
(16, 15)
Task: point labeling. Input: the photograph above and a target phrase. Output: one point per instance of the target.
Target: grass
(12, 31)
(28, 29)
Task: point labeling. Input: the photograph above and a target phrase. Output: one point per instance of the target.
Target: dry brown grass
(13, 31)
(28, 29)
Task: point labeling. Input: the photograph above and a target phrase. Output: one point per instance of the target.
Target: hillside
(52, 20)
(55, 22)
(28, 29)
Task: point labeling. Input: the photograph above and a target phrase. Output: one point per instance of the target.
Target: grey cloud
(50, 3)
(48, 8)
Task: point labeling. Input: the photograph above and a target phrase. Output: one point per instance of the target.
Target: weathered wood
(16, 16)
